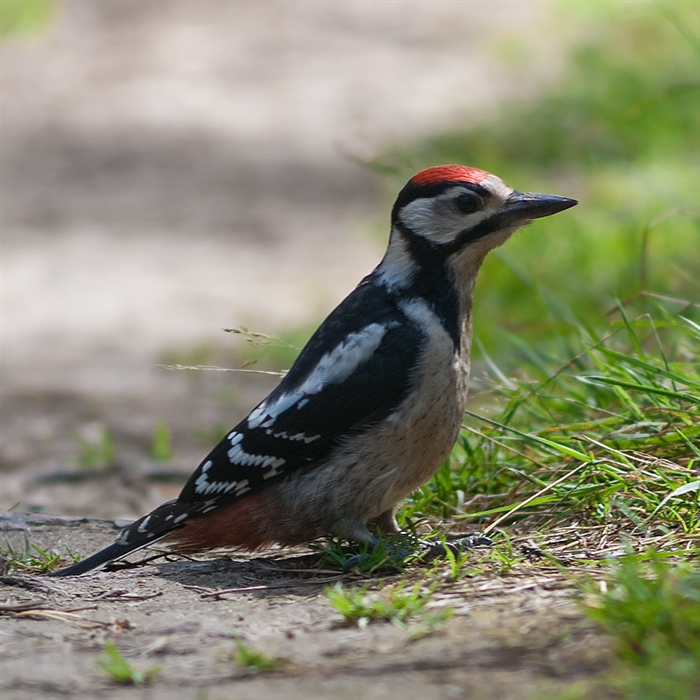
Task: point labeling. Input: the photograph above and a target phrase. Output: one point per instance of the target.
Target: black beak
(523, 206)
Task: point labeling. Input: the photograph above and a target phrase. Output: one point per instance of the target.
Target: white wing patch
(333, 368)
(206, 487)
(237, 455)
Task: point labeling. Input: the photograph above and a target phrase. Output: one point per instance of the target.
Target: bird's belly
(413, 443)
(371, 473)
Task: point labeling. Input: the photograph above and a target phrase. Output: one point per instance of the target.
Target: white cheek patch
(436, 218)
(333, 368)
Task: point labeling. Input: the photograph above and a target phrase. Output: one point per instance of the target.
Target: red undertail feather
(250, 523)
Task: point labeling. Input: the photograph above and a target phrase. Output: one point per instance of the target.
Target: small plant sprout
(33, 559)
(97, 451)
(252, 660)
(360, 606)
(392, 552)
(120, 670)
(162, 450)
(457, 563)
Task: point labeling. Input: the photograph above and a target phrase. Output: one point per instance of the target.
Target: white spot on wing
(273, 472)
(206, 487)
(333, 368)
(242, 487)
(237, 455)
(297, 437)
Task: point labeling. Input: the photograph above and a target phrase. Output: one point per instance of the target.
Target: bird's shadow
(301, 575)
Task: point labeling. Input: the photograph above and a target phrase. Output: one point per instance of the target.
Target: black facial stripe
(433, 280)
(427, 252)
(469, 235)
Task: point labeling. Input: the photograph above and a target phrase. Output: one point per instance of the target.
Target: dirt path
(511, 636)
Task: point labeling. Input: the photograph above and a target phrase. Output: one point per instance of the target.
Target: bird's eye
(468, 203)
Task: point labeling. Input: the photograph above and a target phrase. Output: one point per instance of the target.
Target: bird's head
(458, 213)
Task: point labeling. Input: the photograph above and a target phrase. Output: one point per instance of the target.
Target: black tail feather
(150, 528)
(108, 554)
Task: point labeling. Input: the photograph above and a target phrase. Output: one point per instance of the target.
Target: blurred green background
(620, 131)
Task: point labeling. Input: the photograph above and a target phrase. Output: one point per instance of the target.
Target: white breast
(372, 472)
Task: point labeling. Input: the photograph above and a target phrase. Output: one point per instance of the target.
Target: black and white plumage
(373, 404)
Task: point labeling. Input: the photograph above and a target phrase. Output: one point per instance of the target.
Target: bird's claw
(354, 560)
(398, 553)
(434, 550)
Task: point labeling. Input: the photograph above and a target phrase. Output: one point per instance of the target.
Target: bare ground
(515, 636)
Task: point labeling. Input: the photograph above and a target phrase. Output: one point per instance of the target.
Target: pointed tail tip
(114, 551)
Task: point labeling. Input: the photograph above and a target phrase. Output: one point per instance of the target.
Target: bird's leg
(386, 522)
(386, 525)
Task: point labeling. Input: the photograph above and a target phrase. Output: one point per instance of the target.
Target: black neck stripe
(434, 281)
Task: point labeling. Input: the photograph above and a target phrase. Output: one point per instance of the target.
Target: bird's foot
(435, 550)
(389, 552)
(399, 550)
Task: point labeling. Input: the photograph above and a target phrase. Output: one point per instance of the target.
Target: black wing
(352, 373)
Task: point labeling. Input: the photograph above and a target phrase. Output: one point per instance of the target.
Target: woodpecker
(373, 404)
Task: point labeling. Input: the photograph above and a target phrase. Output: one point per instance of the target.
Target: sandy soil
(511, 637)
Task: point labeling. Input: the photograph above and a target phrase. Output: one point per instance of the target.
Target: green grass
(30, 559)
(253, 660)
(604, 431)
(398, 604)
(582, 441)
(391, 554)
(650, 607)
(584, 407)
